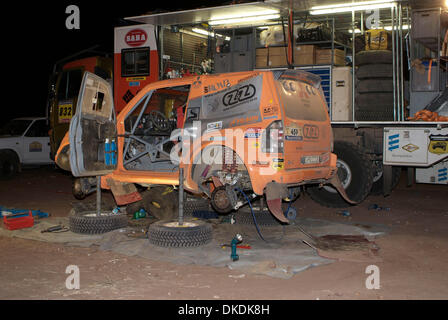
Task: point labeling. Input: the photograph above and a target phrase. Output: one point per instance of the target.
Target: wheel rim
(175, 224)
(378, 171)
(221, 200)
(345, 176)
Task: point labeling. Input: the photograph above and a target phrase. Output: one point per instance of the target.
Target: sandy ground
(413, 257)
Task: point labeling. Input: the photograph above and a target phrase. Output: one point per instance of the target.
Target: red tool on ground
(18, 221)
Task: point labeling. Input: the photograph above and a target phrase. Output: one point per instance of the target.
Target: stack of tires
(374, 98)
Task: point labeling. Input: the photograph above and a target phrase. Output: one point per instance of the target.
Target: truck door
(93, 132)
(307, 130)
(36, 143)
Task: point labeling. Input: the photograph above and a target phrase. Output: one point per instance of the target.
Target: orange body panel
(314, 139)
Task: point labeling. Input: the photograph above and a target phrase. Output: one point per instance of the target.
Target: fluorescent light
(245, 19)
(202, 31)
(207, 33)
(403, 27)
(356, 31)
(348, 7)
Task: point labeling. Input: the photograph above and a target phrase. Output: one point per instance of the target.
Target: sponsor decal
(239, 95)
(197, 83)
(438, 144)
(35, 147)
(134, 84)
(442, 174)
(135, 37)
(311, 131)
(65, 113)
(252, 133)
(217, 86)
(278, 164)
(270, 111)
(243, 121)
(135, 79)
(128, 96)
(214, 126)
(393, 142)
(410, 147)
(293, 133)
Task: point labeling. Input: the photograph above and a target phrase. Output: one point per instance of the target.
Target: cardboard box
(304, 55)
(323, 56)
(261, 58)
(277, 51)
(277, 61)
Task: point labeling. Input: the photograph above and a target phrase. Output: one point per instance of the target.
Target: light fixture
(356, 31)
(348, 7)
(245, 17)
(211, 34)
(403, 27)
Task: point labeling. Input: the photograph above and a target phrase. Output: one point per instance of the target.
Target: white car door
(35, 143)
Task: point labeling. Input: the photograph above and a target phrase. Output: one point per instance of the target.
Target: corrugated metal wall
(185, 48)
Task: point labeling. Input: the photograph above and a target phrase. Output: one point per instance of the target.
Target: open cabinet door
(93, 134)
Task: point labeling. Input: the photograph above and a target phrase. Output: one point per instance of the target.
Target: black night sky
(34, 37)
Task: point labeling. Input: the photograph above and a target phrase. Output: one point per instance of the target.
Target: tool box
(18, 221)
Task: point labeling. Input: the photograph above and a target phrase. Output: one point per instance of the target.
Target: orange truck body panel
(309, 138)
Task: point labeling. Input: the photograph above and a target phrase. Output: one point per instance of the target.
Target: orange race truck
(248, 133)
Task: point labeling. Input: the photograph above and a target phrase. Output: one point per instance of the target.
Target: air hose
(253, 214)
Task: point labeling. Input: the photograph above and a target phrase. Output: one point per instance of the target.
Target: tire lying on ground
(193, 204)
(263, 218)
(356, 173)
(170, 234)
(9, 164)
(87, 222)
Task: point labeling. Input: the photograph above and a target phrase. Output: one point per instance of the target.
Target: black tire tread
(373, 57)
(163, 236)
(330, 200)
(375, 71)
(79, 223)
(264, 218)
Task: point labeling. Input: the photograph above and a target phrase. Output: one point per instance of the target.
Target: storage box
(277, 56)
(341, 106)
(18, 221)
(261, 58)
(323, 56)
(378, 39)
(304, 55)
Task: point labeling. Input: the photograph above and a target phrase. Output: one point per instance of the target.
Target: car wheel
(87, 222)
(356, 173)
(171, 234)
(9, 164)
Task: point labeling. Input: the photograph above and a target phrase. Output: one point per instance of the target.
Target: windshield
(301, 96)
(15, 127)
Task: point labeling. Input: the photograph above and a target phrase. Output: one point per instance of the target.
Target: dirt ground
(413, 257)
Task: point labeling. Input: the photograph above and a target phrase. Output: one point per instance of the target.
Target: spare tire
(372, 101)
(170, 234)
(87, 222)
(374, 71)
(373, 57)
(375, 85)
(355, 171)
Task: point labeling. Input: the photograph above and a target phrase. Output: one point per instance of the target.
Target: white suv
(23, 141)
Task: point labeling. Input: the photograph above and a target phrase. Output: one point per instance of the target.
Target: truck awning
(200, 15)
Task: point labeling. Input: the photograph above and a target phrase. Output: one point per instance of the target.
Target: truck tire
(9, 164)
(170, 234)
(355, 170)
(369, 101)
(87, 222)
(377, 187)
(373, 57)
(375, 86)
(374, 71)
(193, 204)
(264, 218)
